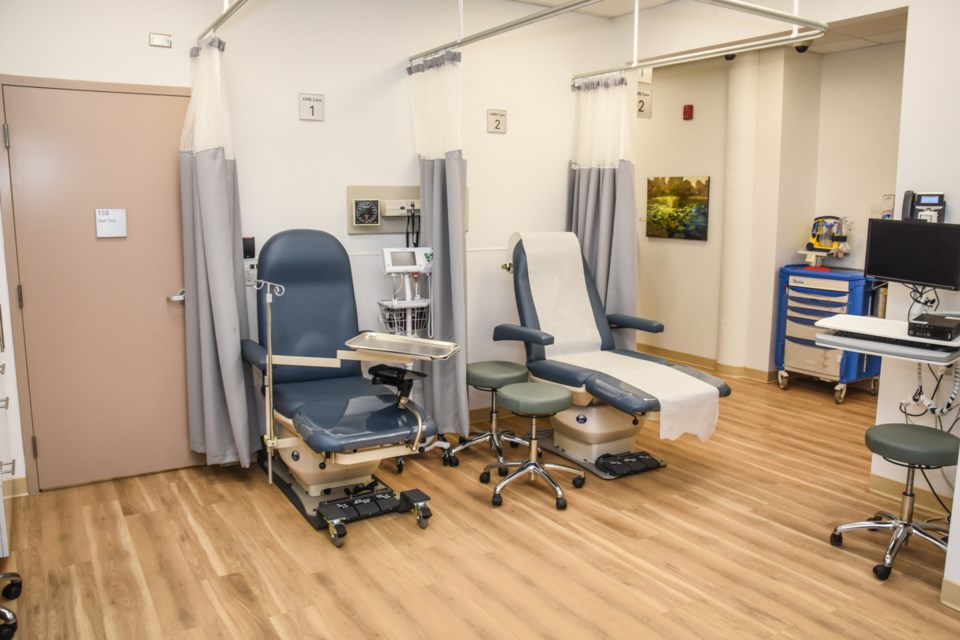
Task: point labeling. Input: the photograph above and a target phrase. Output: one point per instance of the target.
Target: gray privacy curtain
(435, 88)
(601, 199)
(443, 198)
(220, 402)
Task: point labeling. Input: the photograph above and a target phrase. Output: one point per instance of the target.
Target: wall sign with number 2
(496, 120)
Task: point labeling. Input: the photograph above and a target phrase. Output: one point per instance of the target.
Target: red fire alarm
(688, 112)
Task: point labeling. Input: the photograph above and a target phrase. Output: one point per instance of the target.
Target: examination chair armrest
(569, 375)
(621, 395)
(523, 334)
(253, 353)
(722, 387)
(622, 320)
(602, 386)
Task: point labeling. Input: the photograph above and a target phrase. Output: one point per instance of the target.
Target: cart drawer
(803, 329)
(819, 283)
(809, 313)
(812, 360)
(822, 298)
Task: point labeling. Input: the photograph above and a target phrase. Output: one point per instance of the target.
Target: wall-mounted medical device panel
(381, 209)
(408, 260)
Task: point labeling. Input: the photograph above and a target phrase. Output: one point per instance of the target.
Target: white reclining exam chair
(569, 341)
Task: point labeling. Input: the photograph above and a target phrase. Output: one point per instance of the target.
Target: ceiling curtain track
(503, 28)
(226, 15)
(816, 29)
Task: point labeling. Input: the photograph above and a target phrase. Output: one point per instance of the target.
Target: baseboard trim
(950, 594)
(708, 363)
(15, 487)
(894, 489)
(743, 372)
(481, 416)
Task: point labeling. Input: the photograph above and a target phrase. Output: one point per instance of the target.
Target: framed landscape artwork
(678, 207)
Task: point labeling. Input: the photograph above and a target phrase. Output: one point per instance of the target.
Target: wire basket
(395, 318)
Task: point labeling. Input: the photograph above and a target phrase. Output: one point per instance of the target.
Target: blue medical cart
(806, 295)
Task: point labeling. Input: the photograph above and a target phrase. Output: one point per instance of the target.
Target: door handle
(177, 297)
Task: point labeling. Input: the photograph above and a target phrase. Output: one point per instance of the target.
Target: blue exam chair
(334, 425)
(569, 341)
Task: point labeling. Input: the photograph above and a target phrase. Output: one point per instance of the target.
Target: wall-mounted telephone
(927, 206)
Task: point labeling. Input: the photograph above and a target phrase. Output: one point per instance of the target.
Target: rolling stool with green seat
(915, 447)
(490, 376)
(533, 400)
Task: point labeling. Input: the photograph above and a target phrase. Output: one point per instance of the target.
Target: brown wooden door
(103, 346)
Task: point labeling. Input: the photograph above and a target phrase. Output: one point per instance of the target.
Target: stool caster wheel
(8, 630)
(514, 445)
(561, 504)
(578, 482)
(13, 590)
(497, 500)
(399, 465)
(450, 460)
(881, 572)
(485, 477)
(874, 519)
(502, 471)
(836, 539)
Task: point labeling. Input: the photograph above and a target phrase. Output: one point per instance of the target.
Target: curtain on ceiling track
(601, 201)
(218, 385)
(435, 89)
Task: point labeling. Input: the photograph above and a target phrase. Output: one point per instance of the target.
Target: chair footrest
(358, 507)
(624, 464)
(410, 498)
(344, 504)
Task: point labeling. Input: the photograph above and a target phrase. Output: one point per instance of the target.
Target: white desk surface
(876, 327)
(883, 328)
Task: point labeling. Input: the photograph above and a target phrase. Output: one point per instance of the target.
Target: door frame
(10, 247)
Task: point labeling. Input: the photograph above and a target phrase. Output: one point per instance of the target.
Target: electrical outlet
(164, 40)
(250, 274)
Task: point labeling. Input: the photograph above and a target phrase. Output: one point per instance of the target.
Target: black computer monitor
(914, 252)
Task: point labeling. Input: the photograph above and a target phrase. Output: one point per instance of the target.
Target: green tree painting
(678, 207)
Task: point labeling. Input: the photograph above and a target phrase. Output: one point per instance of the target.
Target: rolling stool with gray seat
(533, 400)
(490, 376)
(915, 447)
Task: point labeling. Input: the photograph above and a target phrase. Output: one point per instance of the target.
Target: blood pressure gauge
(366, 213)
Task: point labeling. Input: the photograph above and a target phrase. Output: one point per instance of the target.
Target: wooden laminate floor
(729, 541)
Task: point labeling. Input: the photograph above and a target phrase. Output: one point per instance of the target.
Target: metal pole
(666, 61)
(765, 12)
(819, 30)
(226, 15)
(508, 26)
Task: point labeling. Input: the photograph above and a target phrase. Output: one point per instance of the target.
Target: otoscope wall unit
(381, 209)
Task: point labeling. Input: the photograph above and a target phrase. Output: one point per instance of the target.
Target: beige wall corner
(894, 489)
(950, 594)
